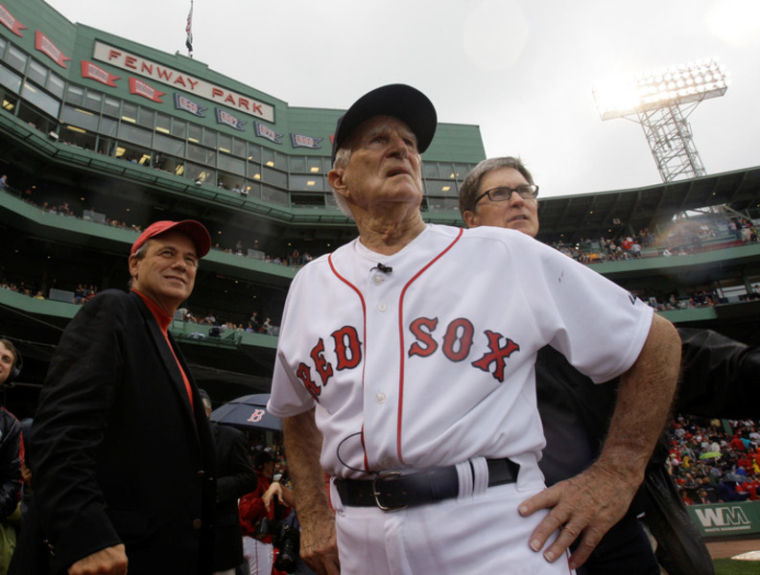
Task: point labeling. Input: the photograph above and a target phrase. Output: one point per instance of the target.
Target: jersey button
(380, 397)
(382, 306)
(378, 279)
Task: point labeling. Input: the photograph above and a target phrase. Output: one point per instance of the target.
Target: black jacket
(235, 477)
(720, 377)
(118, 455)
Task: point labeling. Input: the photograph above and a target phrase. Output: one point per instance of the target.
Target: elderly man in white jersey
(405, 371)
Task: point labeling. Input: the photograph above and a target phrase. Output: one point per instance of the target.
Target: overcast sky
(523, 70)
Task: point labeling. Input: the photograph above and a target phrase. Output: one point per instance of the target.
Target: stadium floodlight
(691, 83)
(657, 101)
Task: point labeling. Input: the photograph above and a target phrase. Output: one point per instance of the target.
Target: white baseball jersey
(431, 363)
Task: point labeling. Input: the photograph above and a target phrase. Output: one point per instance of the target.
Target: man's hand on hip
(588, 504)
(108, 561)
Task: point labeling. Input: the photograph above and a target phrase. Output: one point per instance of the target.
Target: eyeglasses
(503, 193)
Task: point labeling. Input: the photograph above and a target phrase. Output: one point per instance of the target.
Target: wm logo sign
(732, 518)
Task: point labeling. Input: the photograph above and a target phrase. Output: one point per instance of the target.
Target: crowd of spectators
(681, 238)
(22, 288)
(290, 257)
(715, 461)
(81, 294)
(695, 299)
(253, 325)
(685, 236)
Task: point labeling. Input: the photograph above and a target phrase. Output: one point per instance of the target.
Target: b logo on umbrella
(257, 415)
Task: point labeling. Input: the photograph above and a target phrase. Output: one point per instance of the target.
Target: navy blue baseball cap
(397, 100)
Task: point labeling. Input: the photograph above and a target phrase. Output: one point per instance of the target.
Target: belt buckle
(376, 494)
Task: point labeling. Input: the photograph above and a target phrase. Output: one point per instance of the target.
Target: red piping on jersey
(364, 335)
(401, 339)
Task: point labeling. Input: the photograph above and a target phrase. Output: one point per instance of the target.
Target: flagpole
(189, 31)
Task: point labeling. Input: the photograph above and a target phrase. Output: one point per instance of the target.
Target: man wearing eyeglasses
(716, 370)
(405, 371)
(505, 197)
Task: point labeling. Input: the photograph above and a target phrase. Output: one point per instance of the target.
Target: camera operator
(270, 542)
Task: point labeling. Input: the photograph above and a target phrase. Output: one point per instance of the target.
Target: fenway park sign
(181, 81)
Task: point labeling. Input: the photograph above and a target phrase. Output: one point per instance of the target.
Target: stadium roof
(609, 213)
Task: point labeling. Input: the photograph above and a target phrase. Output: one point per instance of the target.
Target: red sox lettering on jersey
(455, 343)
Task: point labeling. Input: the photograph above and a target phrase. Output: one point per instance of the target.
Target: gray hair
(342, 156)
(470, 188)
(139, 254)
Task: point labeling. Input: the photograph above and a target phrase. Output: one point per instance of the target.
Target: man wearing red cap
(122, 453)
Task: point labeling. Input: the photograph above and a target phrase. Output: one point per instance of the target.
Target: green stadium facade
(100, 136)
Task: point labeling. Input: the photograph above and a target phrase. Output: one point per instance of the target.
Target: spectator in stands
(4, 182)
(79, 294)
(636, 249)
(120, 438)
(254, 321)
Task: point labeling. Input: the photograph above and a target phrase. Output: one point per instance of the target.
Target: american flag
(189, 30)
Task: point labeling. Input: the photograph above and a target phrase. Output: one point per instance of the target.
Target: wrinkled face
(166, 274)
(515, 213)
(384, 166)
(6, 362)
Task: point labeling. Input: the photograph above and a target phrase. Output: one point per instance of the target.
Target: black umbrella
(247, 411)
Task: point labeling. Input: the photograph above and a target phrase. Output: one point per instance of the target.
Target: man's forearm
(303, 443)
(645, 396)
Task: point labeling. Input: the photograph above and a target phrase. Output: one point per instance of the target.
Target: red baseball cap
(195, 230)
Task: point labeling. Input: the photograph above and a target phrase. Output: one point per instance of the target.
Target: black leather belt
(392, 490)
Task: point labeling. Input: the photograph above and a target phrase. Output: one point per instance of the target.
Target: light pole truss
(669, 137)
(657, 101)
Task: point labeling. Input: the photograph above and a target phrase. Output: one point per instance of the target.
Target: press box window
(111, 106)
(79, 117)
(16, 58)
(75, 95)
(10, 80)
(55, 85)
(39, 98)
(36, 72)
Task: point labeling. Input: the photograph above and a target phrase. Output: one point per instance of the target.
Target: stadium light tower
(661, 102)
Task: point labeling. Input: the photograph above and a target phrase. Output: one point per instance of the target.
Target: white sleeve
(289, 397)
(597, 325)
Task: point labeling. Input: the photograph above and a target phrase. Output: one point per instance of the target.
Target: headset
(18, 362)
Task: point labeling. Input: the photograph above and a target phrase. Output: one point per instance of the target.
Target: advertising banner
(726, 519)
